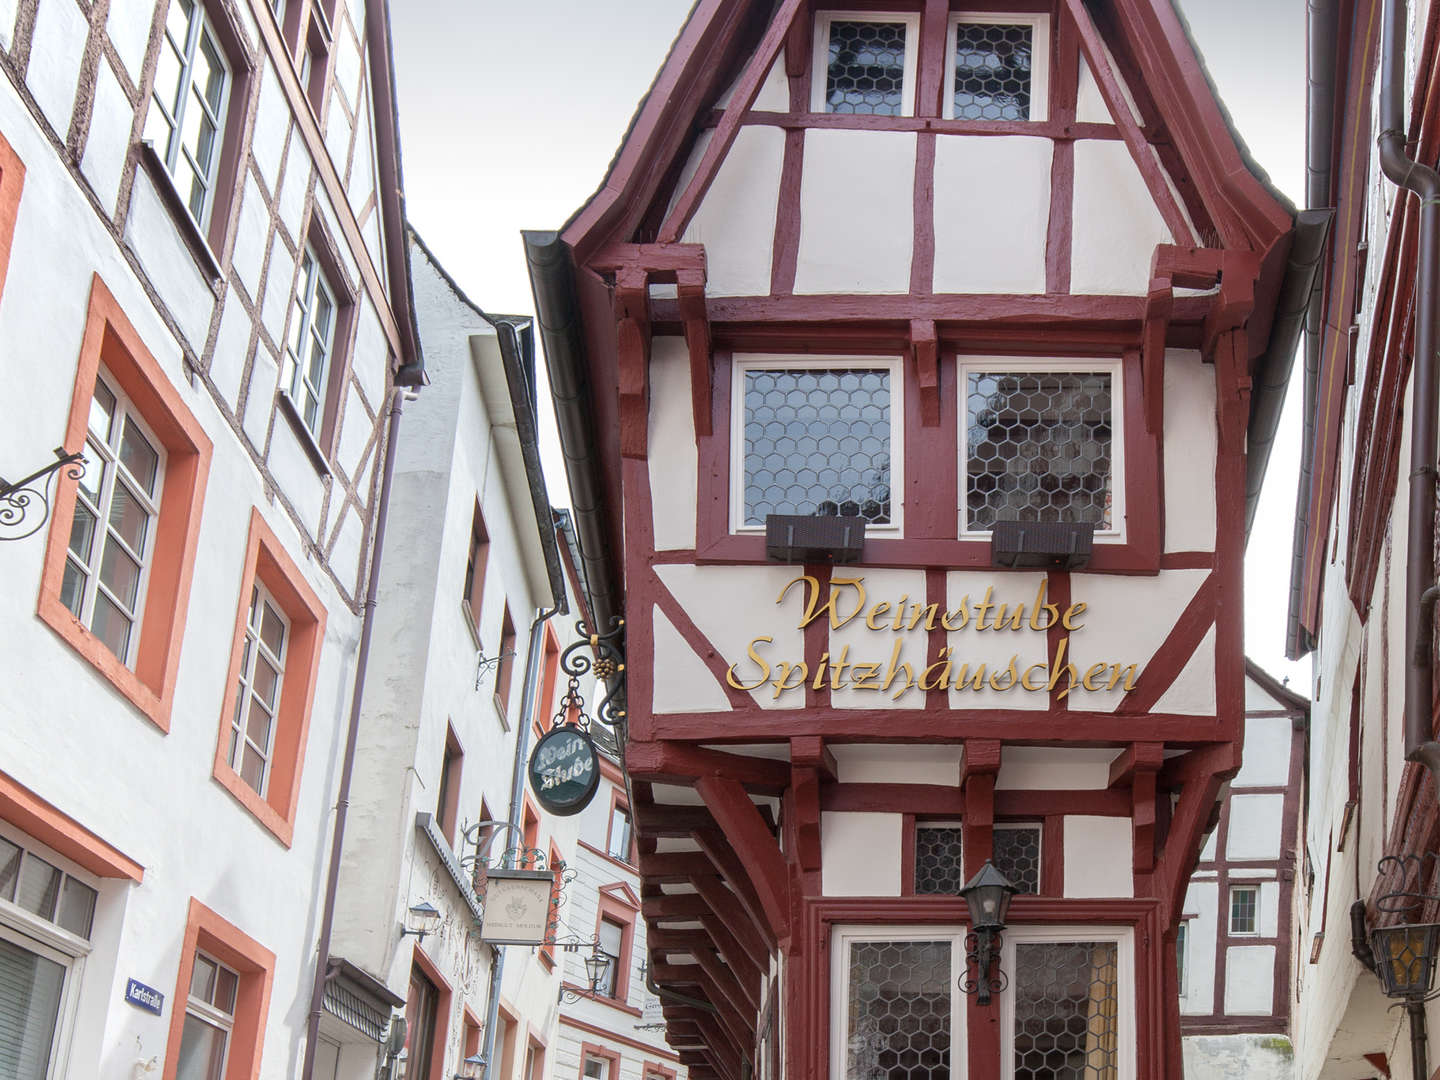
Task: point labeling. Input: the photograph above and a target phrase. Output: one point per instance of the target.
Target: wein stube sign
(846, 601)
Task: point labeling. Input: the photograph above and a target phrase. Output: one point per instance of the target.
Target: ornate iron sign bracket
(25, 505)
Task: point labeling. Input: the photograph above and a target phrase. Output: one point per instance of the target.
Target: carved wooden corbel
(925, 346)
(632, 329)
(691, 286)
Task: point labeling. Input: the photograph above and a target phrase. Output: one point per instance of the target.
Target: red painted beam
(669, 761)
(754, 843)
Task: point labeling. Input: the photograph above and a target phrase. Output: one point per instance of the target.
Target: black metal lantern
(1405, 958)
(597, 965)
(987, 895)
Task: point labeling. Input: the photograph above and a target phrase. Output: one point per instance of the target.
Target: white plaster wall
(1193, 691)
(882, 763)
(774, 93)
(867, 645)
(682, 682)
(857, 208)
(1098, 856)
(1190, 449)
(992, 213)
(736, 219)
(1259, 836)
(1250, 980)
(1202, 901)
(672, 457)
(1109, 632)
(1238, 1057)
(1054, 768)
(731, 605)
(994, 648)
(842, 836)
(1116, 222)
(1267, 752)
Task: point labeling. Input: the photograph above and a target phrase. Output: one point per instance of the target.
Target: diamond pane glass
(938, 868)
(898, 1011)
(1038, 447)
(1017, 855)
(866, 69)
(1066, 1011)
(992, 72)
(817, 442)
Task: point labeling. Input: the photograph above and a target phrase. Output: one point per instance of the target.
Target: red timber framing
(732, 876)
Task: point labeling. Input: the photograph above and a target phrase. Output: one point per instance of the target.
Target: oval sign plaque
(564, 772)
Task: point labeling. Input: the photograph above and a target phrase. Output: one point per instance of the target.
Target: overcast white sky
(510, 113)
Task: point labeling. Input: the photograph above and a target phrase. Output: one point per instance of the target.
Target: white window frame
(841, 937)
(604, 1064)
(790, 362)
(307, 292)
(1114, 368)
(1126, 1026)
(1039, 59)
(820, 77)
(109, 465)
(198, 25)
(239, 725)
(620, 808)
(53, 942)
(211, 1014)
(1230, 911)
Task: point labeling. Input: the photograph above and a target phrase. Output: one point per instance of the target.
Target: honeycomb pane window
(1067, 1010)
(865, 63)
(816, 439)
(998, 67)
(939, 869)
(1039, 445)
(1017, 855)
(897, 1005)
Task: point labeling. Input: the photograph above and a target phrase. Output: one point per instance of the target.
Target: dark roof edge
(1277, 689)
(552, 280)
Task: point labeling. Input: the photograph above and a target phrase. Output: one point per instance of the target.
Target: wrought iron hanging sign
(565, 766)
(25, 505)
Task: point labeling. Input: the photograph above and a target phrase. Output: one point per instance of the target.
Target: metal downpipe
(517, 802)
(1411, 175)
(347, 768)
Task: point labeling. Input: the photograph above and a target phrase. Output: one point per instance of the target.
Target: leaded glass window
(865, 66)
(1017, 855)
(939, 868)
(1067, 1009)
(192, 90)
(899, 1009)
(816, 441)
(992, 71)
(1039, 446)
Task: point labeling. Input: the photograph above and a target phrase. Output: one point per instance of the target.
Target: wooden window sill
(195, 238)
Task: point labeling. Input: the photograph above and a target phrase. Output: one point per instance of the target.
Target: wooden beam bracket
(632, 318)
(925, 348)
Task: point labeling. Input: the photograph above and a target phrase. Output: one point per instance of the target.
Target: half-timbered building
(916, 365)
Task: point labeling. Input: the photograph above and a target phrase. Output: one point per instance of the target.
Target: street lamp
(1404, 954)
(1405, 958)
(597, 966)
(987, 895)
(425, 918)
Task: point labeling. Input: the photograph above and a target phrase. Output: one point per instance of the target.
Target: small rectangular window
(447, 801)
(612, 944)
(310, 346)
(596, 1068)
(618, 846)
(939, 868)
(1039, 444)
(999, 67)
(257, 700)
(1017, 854)
(818, 438)
(476, 561)
(45, 891)
(865, 63)
(1244, 910)
(505, 671)
(193, 82)
(112, 535)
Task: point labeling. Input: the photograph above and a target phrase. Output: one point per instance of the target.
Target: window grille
(992, 71)
(898, 1005)
(938, 866)
(1243, 905)
(1017, 855)
(817, 441)
(1038, 447)
(865, 70)
(1066, 1011)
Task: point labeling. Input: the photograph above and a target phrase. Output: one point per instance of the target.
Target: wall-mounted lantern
(424, 918)
(1404, 954)
(597, 967)
(987, 895)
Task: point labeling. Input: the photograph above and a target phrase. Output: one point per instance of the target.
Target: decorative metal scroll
(25, 505)
(604, 656)
(983, 975)
(1414, 880)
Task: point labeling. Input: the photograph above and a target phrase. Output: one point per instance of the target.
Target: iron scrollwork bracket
(25, 505)
(604, 656)
(983, 976)
(1413, 875)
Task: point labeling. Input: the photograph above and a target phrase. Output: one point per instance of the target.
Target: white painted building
(1238, 940)
(203, 292)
